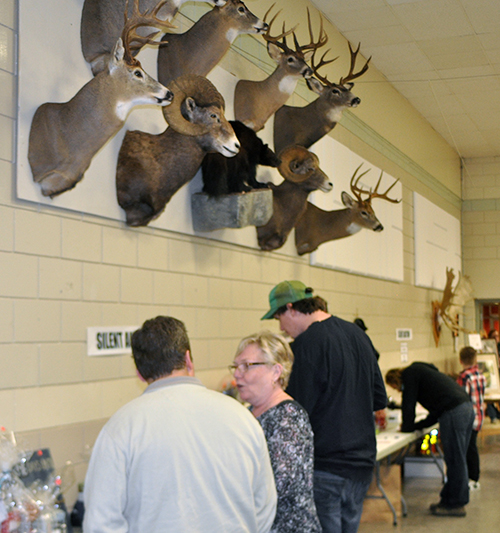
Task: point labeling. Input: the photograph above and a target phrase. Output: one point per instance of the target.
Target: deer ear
(274, 52)
(347, 200)
(308, 54)
(314, 85)
(118, 52)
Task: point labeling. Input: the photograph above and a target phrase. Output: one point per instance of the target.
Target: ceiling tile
(466, 73)
(402, 58)
(466, 59)
(431, 19)
(449, 45)
(379, 36)
(483, 14)
(363, 19)
(341, 6)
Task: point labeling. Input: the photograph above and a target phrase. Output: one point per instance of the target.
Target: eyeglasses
(243, 368)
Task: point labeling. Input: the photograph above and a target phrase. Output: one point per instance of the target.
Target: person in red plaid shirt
(473, 381)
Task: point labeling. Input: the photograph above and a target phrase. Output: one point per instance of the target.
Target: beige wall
(61, 272)
(481, 225)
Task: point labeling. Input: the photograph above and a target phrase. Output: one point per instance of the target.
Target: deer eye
(364, 213)
(138, 73)
(290, 60)
(241, 9)
(336, 92)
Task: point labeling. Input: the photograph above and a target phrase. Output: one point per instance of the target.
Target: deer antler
(276, 40)
(322, 63)
(353, 75)
(383, 196)
(131, 39)
(356, 191)
(313, 45)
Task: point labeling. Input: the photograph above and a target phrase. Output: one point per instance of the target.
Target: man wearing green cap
(336, 378)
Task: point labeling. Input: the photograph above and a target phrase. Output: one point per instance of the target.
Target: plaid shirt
(473, 381)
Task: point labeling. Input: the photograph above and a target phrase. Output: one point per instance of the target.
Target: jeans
(473, 457)
(339, 501)
(455, 427)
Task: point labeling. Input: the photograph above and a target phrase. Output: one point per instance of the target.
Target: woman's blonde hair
(275, 350)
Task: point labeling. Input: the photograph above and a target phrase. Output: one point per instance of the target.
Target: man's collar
(172, 380)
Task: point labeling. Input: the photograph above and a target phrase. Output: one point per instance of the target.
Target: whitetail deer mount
(302, 175)
(152, 168)
(102, 24)
(256, 101)
(306, 125)
(450, 307)
(64, 137)
(198, 50)
(317, 226)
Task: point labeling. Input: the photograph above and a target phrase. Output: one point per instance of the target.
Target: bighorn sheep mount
(223, 175)
(448, 310)
(317, 226)
(306, 125)
(302, 175)
(152, 168)
(64, 137)
(199, 49)
(102, 24)
(256, 101)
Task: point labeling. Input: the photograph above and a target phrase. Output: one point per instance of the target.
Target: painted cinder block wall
(62, 271)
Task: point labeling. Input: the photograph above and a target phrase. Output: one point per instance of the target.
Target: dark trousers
(339, 501)
(473, 457)
(455, 428)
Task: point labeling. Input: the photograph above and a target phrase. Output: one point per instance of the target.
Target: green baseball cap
(286, 292)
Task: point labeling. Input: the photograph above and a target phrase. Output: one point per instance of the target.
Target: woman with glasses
(261, 370)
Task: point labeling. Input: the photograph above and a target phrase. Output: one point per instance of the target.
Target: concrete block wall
(61, 272)
(481, 225)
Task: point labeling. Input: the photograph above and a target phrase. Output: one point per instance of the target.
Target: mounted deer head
(152, 168)
(102, 24)
(65, 137)
(306, 125)
(317, 226)
(256, 101)
(448, 310)
(302, 175)
(199, 49)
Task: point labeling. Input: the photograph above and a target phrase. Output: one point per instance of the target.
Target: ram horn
(203, 92)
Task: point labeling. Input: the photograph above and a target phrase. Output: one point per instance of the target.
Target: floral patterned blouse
(291, 446)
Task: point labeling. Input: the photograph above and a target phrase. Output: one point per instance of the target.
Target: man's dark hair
(468, 355)
(159, 347)
(307, 306)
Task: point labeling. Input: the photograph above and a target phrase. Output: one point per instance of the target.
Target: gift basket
(31, 498)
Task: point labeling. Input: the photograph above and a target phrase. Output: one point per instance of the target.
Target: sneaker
(439, 510)
(474, 485)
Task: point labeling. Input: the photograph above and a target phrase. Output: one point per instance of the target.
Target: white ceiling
(442, 55)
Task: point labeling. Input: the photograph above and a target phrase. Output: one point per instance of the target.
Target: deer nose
(355, 102)
(264, 28)
(378, 228)
(169, 95)
(307, 72)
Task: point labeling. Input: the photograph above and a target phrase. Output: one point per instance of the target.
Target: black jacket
(336, 378)
(437, 392)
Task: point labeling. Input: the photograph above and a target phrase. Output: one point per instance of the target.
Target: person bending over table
(261, 369)
(450, 405)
